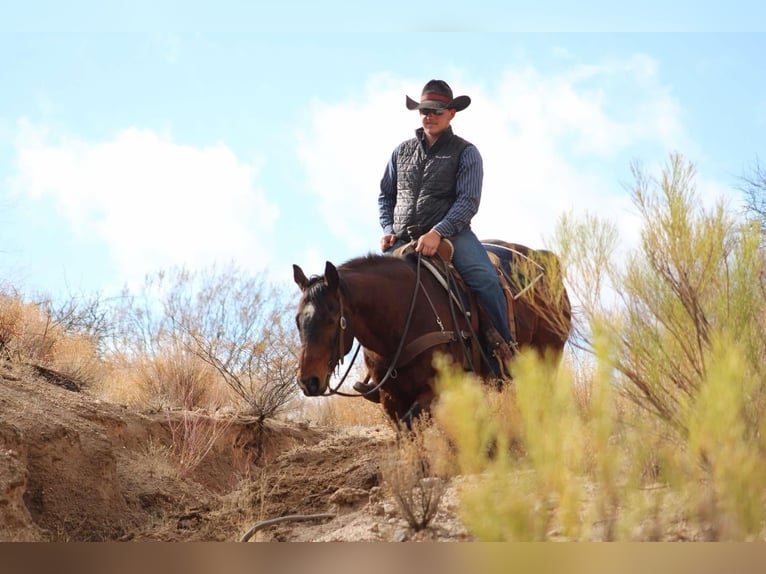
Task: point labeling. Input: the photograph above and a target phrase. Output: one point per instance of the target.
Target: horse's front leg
(414, 412)
(422, 404)
(408, 395)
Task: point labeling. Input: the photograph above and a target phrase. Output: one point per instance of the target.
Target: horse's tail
(536, 276)
(552, 298)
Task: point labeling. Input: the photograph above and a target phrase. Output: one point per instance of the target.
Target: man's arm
(387, 196)
(469, 177)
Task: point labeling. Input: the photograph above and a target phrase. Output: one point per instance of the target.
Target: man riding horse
(431, 189)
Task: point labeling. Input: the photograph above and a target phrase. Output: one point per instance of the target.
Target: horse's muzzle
(311, 386)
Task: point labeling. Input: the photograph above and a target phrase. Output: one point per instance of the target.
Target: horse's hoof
(368, 391)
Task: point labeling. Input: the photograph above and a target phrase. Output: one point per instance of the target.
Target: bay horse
(402, 316)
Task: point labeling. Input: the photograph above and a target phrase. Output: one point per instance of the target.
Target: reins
(416, 346)
(335, 391)
(391, 372)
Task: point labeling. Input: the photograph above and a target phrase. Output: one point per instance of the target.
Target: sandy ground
(74, 468)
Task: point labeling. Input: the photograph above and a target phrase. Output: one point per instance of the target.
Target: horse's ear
(331, 276)
(300, 277)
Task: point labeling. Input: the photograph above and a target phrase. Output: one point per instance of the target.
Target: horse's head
(324, 333)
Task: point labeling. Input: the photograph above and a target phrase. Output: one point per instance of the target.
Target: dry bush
(11, 327)
(236, 324)
(30, 335)
(753, 186)
(176, 379)
(658, 435)
(408, 477)
(26, 334)
(78, 358)
(156, 459)
(256, 500)
(194, 434)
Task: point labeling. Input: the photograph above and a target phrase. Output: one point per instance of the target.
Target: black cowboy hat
(437, 95)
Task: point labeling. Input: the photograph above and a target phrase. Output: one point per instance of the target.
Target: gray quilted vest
(425, 183)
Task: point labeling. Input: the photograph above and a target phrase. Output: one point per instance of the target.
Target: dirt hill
(75, 468)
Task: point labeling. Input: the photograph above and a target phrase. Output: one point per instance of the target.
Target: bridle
(338, 348)
(413, 349)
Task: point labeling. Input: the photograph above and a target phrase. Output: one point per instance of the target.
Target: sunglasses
(429, 112)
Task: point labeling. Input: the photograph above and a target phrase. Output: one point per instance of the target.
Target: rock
(349, 498)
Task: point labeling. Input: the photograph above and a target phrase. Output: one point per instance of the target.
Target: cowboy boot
(367, 389)
(504, 354)
(502, 351)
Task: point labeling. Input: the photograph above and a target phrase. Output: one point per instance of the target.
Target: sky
(139, 136)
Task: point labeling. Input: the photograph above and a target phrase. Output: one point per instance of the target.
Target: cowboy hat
(437, 95)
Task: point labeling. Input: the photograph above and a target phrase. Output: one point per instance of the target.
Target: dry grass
(171, 380)
(25, 333)
(342, 412)
(157, 460)
(29, 336)
(77, 357)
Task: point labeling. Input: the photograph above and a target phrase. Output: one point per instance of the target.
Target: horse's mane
(373, 262)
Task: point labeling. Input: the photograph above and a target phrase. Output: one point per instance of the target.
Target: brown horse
(402, 315)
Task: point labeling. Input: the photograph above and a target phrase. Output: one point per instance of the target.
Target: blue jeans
(472, 262)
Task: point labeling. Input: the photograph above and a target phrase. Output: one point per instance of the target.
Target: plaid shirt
(469, 177)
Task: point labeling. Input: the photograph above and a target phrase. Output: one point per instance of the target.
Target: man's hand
(428, 243)
(387, 241)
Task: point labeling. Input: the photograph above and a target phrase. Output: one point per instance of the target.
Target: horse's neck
(378, 305)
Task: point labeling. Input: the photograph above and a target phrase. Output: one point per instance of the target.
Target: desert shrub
(11, 312)
(696, 277)
(409, 477)
(174, 378)
(26, 333)
(753, 186)
(659, 437)
(31, 335)
(194, 434)
(76, 356)
(238, 325)
(728, 447)
(519, 493)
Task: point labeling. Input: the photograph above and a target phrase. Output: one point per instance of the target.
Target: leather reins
(406, 354)
(342, 323)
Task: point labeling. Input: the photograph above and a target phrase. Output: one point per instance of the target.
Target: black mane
(373, 262)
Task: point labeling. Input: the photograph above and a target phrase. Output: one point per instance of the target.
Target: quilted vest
(425, 183)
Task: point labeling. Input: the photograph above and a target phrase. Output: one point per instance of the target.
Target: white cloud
(155, 203)
(551, 143)
(344, 153)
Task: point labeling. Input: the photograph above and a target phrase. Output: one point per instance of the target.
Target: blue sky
(139, 136)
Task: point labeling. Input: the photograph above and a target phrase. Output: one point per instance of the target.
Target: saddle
(512, 264)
